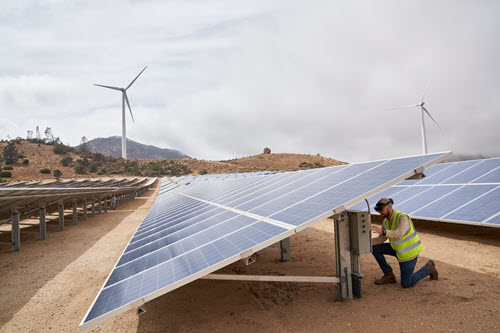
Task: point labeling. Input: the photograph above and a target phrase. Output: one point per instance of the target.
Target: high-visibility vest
(409, 245)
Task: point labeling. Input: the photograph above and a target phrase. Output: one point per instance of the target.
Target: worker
(404, 244)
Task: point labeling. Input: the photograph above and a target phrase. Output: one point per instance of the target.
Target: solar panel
(465, 192)
(198, 225)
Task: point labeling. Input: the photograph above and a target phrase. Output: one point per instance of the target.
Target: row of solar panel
(196, 225)
(461, 192)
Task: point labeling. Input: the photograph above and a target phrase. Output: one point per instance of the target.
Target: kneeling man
(404, 244)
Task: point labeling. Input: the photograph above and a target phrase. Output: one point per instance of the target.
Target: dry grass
(43, 156)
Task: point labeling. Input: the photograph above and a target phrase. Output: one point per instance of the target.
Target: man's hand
(377, 229)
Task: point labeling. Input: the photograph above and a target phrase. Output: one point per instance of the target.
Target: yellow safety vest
(409, 245)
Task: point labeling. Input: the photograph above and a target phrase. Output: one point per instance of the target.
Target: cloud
(226, 81)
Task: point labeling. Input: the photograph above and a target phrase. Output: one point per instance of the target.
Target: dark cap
(382, 203)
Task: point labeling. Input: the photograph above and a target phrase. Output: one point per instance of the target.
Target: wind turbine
(422, 110)
(124, 99)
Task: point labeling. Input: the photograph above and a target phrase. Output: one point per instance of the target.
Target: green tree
(57, 173)
(10, 154)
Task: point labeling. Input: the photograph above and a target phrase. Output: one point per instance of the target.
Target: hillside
(112, 146)
(42, 156)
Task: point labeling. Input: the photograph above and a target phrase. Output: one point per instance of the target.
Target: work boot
(387, 278)
(432, 269)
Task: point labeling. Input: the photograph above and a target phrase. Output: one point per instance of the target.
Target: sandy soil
(49, 285)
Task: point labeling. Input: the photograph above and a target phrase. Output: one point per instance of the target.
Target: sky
(227, 78)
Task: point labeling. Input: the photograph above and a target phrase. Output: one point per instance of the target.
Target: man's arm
(379, 240)
(402, 230)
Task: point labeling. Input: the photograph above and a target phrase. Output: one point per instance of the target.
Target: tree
(83, 143)
(49, 137)
(10, 154)
(57, 173)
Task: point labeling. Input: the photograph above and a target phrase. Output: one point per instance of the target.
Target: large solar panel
(198, 225)
(466, 192)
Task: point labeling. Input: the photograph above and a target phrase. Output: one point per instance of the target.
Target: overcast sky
(227, 78)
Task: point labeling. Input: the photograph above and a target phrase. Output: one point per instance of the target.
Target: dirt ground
(49, 285)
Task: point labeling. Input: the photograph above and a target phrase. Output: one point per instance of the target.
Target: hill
(94, 165)
(112, 146)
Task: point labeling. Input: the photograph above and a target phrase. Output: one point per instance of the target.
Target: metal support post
(92, 205)
(61, 216)
(84, 206)
(113, 202)
(106, 204)
(43, 224)
(100, 205)
(360, 242)
(75, 214)
(343, 257)
(16, 232)
(285, 249)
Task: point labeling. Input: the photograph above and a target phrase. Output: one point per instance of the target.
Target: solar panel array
(28, 197)
(466, 192)
(200, 224)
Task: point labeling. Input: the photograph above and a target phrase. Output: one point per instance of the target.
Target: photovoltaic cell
(459, 192)
(200, 224)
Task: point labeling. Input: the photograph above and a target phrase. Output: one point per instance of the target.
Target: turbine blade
(402, 107)
(423, 107)
(131, 83)
(109, 87)
(128, 104)
(425, 91)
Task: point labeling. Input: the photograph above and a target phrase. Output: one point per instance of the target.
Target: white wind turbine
(124, 99)
(422, 124)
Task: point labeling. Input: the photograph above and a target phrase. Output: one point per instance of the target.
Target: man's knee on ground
(406, 284)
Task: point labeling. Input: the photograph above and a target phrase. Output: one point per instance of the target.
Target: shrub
(203, 172)
(61, 148)
(45, 170)
(8, 167)
(6, 174)
(26, 162)
(101, 172)
(93, 167)
(80, 169)
(67, 161)
(57, 173)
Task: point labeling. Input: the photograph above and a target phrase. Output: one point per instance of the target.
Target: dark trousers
(408, 278)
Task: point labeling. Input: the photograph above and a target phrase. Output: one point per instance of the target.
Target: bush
(93, 167)
(6, 174)
(45, 170)
(67, 161)
(101, 172)
(8, 167)
(203, 172)
(80, 169)
(61, 148)
(57, 173)
(26, 162)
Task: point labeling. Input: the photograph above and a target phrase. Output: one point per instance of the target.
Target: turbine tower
(124, 100)
(422, 124)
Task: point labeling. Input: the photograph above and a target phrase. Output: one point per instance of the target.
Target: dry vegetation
(42, 156)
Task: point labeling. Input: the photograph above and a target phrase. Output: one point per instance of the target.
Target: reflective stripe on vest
(409, 245)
